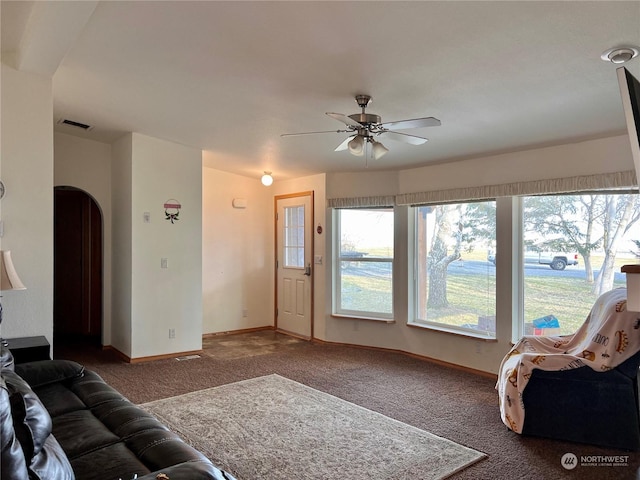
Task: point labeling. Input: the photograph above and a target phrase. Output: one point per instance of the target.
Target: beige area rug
(273, 428)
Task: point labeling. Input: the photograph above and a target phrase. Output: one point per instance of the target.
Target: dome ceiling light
(620, 55)
(267, 179)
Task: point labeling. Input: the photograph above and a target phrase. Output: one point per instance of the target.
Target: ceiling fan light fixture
(378, 150)
(620, 54)
(266, 179)
(356, 146)
(363, 127)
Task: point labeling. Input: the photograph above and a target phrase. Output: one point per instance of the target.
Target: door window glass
(294, 236)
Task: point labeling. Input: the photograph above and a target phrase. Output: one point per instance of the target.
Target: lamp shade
(9, 279)
(378, 149)
(356, 146)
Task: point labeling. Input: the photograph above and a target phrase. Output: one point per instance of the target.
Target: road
(476, 267)
(481, 267)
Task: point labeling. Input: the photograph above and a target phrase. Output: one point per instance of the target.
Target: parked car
(556, 260)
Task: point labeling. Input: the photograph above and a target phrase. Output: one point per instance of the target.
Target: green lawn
(471, 296)
(366, 293)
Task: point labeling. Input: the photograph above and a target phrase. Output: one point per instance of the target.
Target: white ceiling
(230, 77)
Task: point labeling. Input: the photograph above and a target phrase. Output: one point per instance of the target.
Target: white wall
(362, 184)
(237, 253)
(604, 155)
(165, 298)
(121, 243)
(86, 165)
(596, 156)
(27, 208)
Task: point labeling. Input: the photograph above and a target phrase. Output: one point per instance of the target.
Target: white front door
(294, 224)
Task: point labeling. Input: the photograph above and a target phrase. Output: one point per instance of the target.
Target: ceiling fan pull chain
(366, 154)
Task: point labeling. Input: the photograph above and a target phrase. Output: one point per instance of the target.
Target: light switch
(163, 263)
(317, 259)
(146, 216)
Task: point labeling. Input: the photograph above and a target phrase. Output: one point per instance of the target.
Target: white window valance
(600, 181)
(362, 202)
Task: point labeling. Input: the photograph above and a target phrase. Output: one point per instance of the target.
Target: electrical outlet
(245, 313)
(172, 333)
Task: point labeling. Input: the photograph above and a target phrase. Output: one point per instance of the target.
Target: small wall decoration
(172, 210)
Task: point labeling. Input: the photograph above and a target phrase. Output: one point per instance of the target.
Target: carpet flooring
(448, 402)
(270, 428)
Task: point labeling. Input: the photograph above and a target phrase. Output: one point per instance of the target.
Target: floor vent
(187, 357)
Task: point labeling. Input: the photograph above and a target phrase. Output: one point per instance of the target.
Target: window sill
(368, 319)
(453, 331)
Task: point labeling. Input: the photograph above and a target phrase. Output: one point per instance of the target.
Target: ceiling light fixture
(378, 149)
(267, 179)
(620, 54)
(356, 146)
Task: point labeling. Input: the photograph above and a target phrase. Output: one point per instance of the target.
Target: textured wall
(27, 208)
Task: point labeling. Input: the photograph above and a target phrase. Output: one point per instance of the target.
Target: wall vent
(73, 123)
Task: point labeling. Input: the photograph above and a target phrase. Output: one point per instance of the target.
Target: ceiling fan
(365, 126)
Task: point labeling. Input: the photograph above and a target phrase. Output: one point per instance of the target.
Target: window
(363, 273)
(294, 236)
(573, 248)
(454, 276)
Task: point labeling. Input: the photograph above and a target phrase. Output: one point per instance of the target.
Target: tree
(620, 213)
(456, 228)
(556, 217)
(439, 258)
(582, 223)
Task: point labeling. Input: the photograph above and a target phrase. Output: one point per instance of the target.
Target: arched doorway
(77, 267)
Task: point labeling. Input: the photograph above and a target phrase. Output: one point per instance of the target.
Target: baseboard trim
(425, 358)
(413, 355)
(294, 335)
(236, 332)
(151, 358)
(127, 359)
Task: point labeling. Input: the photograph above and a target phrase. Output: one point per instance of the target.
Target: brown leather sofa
(59, 421)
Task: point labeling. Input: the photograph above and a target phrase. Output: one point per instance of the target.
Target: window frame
(338, 258)
(518, 254)
(413, 290)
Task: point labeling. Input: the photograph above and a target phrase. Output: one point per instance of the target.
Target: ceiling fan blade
(344, 145)
(415, 123)
(403, 137)
(344, 119)
(312, 133)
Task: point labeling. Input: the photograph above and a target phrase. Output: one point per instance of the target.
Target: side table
(29, 349)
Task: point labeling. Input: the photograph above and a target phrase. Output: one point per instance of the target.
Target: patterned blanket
(607, 338)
